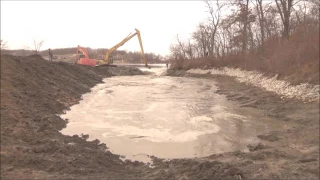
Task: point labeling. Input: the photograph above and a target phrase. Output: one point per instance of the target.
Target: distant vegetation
(275, 37)
(130, 57)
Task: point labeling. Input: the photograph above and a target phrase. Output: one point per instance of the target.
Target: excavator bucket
(87, 62)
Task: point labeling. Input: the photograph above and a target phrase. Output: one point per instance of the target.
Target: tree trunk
(284, 9)
(244, 44)
(261, 22)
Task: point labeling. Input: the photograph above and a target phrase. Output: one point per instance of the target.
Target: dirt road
(33, 91)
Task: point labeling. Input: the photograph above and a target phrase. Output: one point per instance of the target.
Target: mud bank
(304, 91)
(33, 91)
(292, 153)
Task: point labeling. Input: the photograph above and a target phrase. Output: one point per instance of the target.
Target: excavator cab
(80, 53)
(111, 59)
(81, 56)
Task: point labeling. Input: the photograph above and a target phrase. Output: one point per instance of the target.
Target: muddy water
(168, 117)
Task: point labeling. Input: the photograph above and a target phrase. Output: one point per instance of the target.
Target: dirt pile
(33, 91)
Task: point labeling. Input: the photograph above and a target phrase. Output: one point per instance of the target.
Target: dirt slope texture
(33, 91)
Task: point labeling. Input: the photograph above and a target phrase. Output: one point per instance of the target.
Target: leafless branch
(37, 45)
(3, 45)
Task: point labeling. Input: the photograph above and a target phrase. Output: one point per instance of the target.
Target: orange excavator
(85, 60)
(84, 57)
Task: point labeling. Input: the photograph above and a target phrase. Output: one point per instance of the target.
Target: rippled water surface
(168, 117)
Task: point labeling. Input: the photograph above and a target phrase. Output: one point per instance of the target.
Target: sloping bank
(305, 91)
(33, 92)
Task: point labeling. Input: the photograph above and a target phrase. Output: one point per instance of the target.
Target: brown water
(168, 117)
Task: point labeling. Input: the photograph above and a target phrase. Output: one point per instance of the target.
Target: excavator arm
(109, 51)
(141, 47)
(84, 51)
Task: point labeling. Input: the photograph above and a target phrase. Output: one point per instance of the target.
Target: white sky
(99, 24)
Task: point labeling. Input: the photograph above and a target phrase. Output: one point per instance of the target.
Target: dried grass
(295, 60)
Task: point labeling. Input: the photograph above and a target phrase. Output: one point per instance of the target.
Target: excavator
(84, 57)
(107, 60)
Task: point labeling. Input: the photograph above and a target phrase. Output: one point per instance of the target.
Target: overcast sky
(99, 24)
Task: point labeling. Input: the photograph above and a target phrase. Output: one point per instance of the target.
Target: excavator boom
(107, 60)
(141, 47)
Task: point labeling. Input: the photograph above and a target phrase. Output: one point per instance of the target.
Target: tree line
(249, 27)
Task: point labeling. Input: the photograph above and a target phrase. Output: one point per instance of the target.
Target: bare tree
(272, 25)
(3, 44)
(182, 47)
(178, 50)
(190, 49)
(284, 8)
(253, 29)
(174, 51)
(245, 27)
(316, 2)
(201, 39)
(215, 16)
(261, 19)
(37, 45)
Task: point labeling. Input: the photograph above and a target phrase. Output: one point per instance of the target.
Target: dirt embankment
(33, 91)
